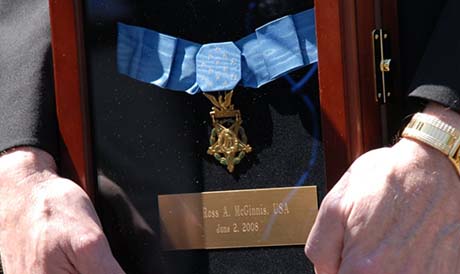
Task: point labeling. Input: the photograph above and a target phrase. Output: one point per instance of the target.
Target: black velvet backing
(150, 141)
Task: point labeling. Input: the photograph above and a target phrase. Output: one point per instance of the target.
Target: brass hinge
(382, 65)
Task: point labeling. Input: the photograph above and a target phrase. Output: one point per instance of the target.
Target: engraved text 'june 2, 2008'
(244, 218)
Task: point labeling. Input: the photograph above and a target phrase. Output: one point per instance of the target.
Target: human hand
(396, 210)
(47, 223)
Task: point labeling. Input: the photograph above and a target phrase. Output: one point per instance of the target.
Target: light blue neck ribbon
(275, 49)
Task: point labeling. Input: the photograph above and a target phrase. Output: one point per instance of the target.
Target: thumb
(93, 256)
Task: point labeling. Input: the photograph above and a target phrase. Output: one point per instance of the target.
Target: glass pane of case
(149, 141)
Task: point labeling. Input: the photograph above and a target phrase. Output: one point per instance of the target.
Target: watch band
(434, 132)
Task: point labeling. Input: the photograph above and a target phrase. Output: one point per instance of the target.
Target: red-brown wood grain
(351, 64)
(71, 104)
(338, 86)
(351, 118)
(370, 109)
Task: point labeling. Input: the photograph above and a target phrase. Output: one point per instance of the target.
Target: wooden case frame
(351, 121)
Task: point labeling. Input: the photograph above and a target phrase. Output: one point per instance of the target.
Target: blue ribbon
(275, 49)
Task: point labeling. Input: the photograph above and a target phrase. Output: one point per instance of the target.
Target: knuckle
(324, 270)
(331, 207)
(331, 201)
(311, 253)
(361, 266)
(89, 243)
(322, 261)
(321, 264)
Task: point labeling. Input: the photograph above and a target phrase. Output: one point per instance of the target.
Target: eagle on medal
(228, 140)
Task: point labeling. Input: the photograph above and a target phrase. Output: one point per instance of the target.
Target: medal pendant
(228, 140)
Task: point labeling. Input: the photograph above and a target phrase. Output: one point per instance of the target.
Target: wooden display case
(352, 121)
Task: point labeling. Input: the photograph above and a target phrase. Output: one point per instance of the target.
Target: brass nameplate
(242, 218)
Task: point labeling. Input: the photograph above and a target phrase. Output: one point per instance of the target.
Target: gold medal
(228, 140)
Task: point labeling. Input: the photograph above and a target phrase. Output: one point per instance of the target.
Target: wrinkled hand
(395, 211)
(47, 223)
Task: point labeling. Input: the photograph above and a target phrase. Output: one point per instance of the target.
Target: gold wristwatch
(434, 132)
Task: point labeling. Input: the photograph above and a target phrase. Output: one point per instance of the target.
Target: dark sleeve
(438, 76)
(27, 113)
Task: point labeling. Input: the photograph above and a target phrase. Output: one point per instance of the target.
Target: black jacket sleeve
(438, 76)
(27, 112)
